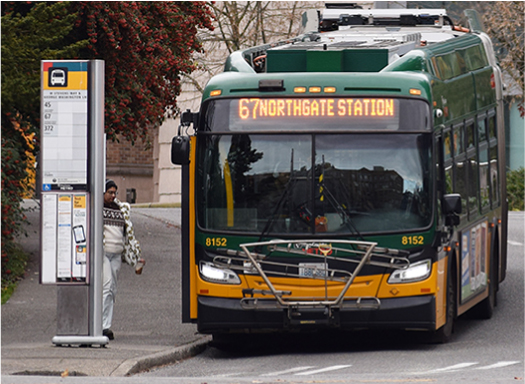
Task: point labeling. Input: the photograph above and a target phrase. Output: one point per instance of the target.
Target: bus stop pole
(97, 183)
(96, 176)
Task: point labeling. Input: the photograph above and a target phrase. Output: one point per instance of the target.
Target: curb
(133, 366)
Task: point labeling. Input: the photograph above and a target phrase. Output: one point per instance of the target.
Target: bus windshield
(306, 183)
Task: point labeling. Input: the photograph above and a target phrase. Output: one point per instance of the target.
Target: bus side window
(436, 67)
(475, 58)
(457, 64)
(493, 158)
(472, 170)
(470, 136)
(458, 141)
(460, 168)
(448, 163)
(447, 145)
(484, 174)
(444, 67)
(461, 61)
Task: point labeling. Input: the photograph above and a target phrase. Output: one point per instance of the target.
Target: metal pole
(97, 176)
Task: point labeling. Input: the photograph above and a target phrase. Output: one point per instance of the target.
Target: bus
(350, 178)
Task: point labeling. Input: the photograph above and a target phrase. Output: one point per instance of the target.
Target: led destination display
(258, 108)
(314, 113)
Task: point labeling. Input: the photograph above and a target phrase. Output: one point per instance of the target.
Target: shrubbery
(516, 189)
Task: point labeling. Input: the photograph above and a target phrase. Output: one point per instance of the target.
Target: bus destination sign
(312, 113)
(258, 108)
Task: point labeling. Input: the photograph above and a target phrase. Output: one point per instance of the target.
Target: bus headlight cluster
(211, 273)
(415, 272)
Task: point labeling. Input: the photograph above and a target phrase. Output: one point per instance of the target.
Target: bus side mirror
(187, 118)
(452, 208)
(180, 150)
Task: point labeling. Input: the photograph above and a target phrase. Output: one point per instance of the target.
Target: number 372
(412, 240)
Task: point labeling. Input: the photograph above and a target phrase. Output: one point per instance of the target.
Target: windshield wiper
(289, 187)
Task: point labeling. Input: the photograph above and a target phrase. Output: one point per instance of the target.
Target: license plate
(312, 270)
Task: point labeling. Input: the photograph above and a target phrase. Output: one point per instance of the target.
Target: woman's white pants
(110, 268)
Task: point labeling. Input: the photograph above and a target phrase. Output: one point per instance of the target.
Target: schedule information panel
(64, 168)
(65, 125)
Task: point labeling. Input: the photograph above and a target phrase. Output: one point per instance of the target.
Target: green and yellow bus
(350, 178)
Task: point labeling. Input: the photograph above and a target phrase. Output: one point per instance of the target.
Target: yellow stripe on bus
(192, 271)
(229, 192)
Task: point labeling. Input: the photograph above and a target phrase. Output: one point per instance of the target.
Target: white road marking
(501, 364)
(288, 371)
(333, 368)
(511, 242)
(227, 374)
(450, 369)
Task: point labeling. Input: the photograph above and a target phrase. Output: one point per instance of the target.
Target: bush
(13, 269)
(516, 189)
(14, 174)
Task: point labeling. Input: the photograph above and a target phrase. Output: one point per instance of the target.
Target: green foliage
(28, 37)
(516, 189)
(147, 47)
(14, 270)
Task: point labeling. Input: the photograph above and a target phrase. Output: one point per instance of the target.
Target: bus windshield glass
(305, 183)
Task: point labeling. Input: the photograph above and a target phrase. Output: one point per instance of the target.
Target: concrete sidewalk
(147, 320)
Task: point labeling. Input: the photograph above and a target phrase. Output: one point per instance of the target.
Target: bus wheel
(444, 334)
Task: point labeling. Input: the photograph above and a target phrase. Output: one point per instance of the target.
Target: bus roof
(353, 40)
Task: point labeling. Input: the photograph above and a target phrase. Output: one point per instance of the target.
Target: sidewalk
(147, 320)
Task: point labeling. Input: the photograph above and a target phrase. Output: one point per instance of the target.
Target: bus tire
(444, 334)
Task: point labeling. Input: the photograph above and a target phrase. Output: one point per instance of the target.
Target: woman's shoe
(108, 333)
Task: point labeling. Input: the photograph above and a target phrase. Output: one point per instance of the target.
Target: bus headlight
(211, 273)
(415, 272)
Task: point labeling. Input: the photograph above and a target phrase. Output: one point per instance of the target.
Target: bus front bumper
(220, 315)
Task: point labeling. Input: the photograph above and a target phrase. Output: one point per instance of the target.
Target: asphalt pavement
(147, 316)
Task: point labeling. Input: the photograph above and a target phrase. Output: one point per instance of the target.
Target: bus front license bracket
(303, 317)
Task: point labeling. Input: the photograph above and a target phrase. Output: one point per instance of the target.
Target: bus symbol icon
(57, 77)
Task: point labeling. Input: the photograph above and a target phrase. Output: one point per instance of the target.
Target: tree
(239, 25)
(40, 32)
(147, 46)
(504, 21)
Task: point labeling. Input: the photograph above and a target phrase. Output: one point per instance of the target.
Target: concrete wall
(131, 167)
(168, 175)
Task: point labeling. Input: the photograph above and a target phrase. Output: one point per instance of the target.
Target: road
(490, 351)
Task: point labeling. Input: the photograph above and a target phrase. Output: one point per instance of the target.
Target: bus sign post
(72, 169)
